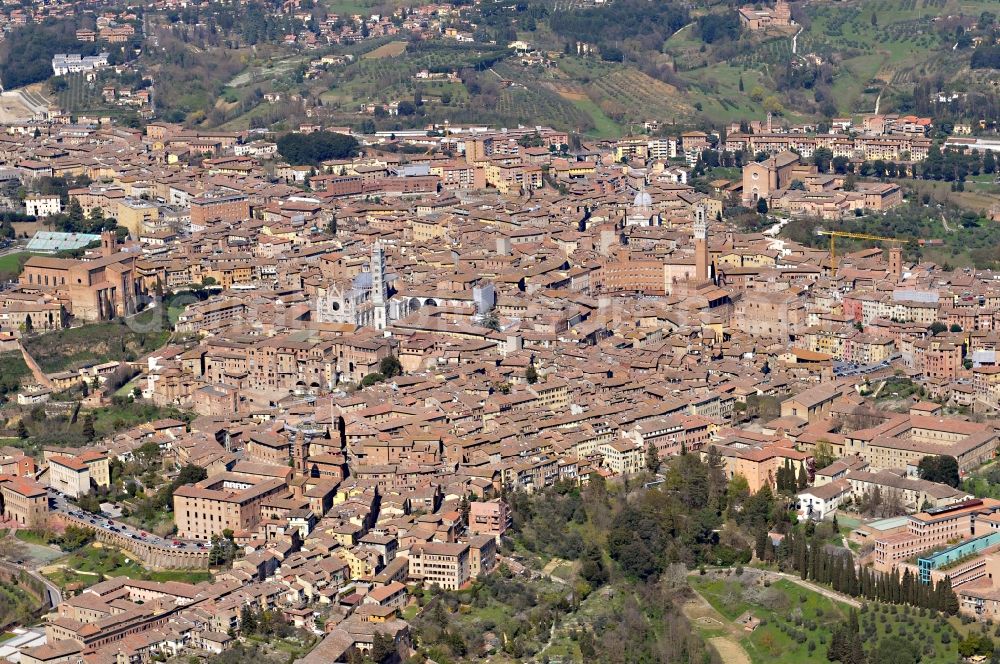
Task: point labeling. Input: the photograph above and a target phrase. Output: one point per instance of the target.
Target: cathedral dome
(642, 200)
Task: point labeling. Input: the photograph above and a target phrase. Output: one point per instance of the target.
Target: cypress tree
(760, 545)
(949, 600)
(852, 580)
(838, 648)
(856, 653)
(802, 558)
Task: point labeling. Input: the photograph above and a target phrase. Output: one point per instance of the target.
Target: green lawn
(797, 623)
(349, 7)
(604, 127)
(411, 611)
(11, 265)
(185, 576)
(32, 537)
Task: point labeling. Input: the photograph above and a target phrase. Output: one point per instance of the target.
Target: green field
(868, 58)
(351, 7)
(797, 623)
(12, 264)
(92, 564)
(604, 127)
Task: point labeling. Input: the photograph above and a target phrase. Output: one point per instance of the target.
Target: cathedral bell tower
(379, 289)
(701, 262)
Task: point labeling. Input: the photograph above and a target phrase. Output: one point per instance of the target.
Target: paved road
(51, 589)
(58, 503)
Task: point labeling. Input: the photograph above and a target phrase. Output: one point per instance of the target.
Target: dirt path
(816, 588)
(730, 651)
(944, 221)
(700, 613)
(36, 370)
(703, 615)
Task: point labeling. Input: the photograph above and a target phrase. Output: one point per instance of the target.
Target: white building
(38, 205)
(72, 63)
(819, 502)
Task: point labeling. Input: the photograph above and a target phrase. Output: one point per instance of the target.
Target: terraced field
(642, 96)
(884, 56)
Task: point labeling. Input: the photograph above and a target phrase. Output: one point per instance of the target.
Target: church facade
(361, 301)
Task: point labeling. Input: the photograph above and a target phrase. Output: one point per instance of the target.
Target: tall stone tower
(109, 243)
(896, 262)
(379, 291)
(701, 264)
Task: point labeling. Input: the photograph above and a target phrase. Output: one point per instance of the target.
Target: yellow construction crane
(857, 236)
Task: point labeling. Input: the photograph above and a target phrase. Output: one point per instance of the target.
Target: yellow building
(69, 476)
(99, 468)
(137, 215)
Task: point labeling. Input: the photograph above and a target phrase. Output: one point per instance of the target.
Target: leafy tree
(937, 327)
(189, 474)
(88, 427)
(942, 468)
(464, 509)
(822, 158)
(390, 366)
(895, 649)
(823, 454)
(222, 551)
(74, 538)
(652, 458)
(89, 503)
(531, 374)
(975, 644)
(383, 648)
(316, 147)
(371, 379)
(492, 322)
(947, 600)
(714, 27)
(248, 621)
(593, 569)
(761, 205)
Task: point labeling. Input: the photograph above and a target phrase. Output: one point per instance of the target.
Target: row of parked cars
(99, 521)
